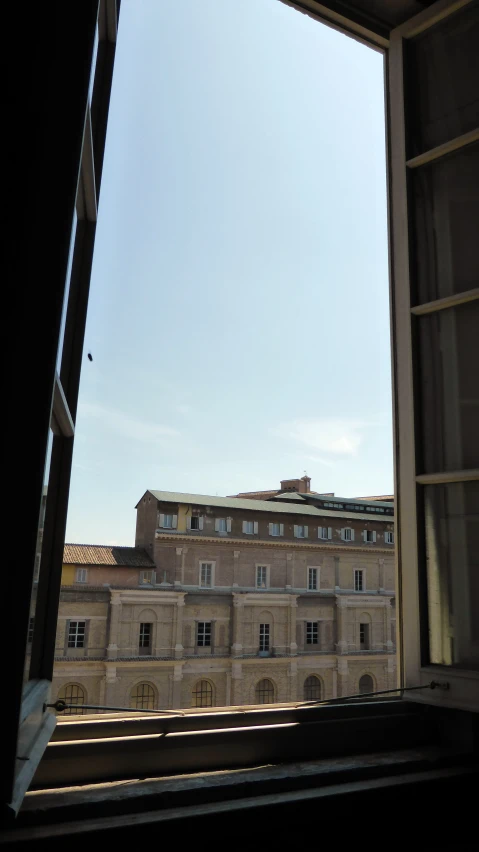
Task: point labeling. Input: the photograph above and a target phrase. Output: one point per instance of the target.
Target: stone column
(336, 573)
(179, 566)
(343, 677)
(293, 606)
(293, 680)
(236, 556)
(228, 689)
(342, 643)
(335, 683)
(381, 575)
(289, 570)
(115, 619)
(177, 678)
(238, 615)
(236, 683)
(179, 627)
(388, 643)
(112, 699)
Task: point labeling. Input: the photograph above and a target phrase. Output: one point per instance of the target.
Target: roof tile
(105, 554)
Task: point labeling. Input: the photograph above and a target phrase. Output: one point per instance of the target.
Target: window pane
(446, 224)
(444, 70)
(448, 359)
(452, 551)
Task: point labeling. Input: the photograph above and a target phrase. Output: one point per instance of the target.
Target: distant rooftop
(103, 554)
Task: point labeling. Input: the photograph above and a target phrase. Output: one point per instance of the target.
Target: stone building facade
(232, 601)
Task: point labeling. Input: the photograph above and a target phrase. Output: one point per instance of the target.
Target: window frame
(74, 634)
(264, 646)
(81, 575)
(143, 634)
(316, 569)
(204, 631)
(359, 573)
(206, 563)
(312, 633)
(388, 537)
(260, 566)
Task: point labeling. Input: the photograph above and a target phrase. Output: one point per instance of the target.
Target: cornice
(284, 545)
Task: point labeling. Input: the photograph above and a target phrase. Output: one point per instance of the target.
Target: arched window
(203, 694)
(265, 691)
(312, 688)
(143, 697)
(366, 683)
(72, 693)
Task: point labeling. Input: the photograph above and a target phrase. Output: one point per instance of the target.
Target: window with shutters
(146, 630)
(369, 536)
(261, 576)
(167, 522)
(194, 523)
(364, 637)
(81, 575)
(348, 534)
(276, 529)
(264, 634)
(358, 580)
(146, 577)
(203, 634)
(206, 574)
(301, 531)
(389, 538)
(325, 532)
(221, 525)
(312, 633)
(313, 583)
(248, 527)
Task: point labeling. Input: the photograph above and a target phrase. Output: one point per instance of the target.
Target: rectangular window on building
(206, 574)
(31, 627)
(203, 634)
(81, 575)
(313, 579)
(167, 521)
(250, 527)
(300, 531)
(264, 637)
(261, 576)
(147, 577)
(364, 637)
(145, 634)
(347, 534)
(223, 525)
(311, 633)
(276, 529)
(389, 538)
(369, 536)
(325, 532)
(194, 523)
(76, 634)
(358, 580)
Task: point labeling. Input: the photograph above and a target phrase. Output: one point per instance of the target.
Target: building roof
(274, 507)
(387, 498)
(256, 495)
(105, 554)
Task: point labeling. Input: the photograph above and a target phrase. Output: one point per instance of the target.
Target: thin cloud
(333, 436)
(129, 427)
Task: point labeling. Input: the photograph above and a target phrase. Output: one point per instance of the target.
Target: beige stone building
(277, 596)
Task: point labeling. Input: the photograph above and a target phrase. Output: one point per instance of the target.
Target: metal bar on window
(448, 476)
(446, 302)
(444, 149)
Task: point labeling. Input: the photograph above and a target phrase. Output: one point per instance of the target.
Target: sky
(238, 317)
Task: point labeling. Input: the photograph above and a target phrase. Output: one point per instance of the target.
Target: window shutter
(188, 522)
(342, 534)
(270, 527)
(162, 520)
(330, 532)
(255, 527)
(365, 536)
(352, 535)
(374, 536)
(200, 522)
(175, 522)
(217, 524)
(153, 577)
(306, 532)
(228, 524)
(281, 529)
(295, 531)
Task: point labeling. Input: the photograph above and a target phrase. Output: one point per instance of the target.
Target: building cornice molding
(284, 545)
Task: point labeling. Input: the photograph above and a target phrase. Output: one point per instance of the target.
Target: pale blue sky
(238, 315)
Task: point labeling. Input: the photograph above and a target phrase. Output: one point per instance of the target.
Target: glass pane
(448, 362)
(452, 551)
(442, 85)
(38, 553)
(444, 195)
